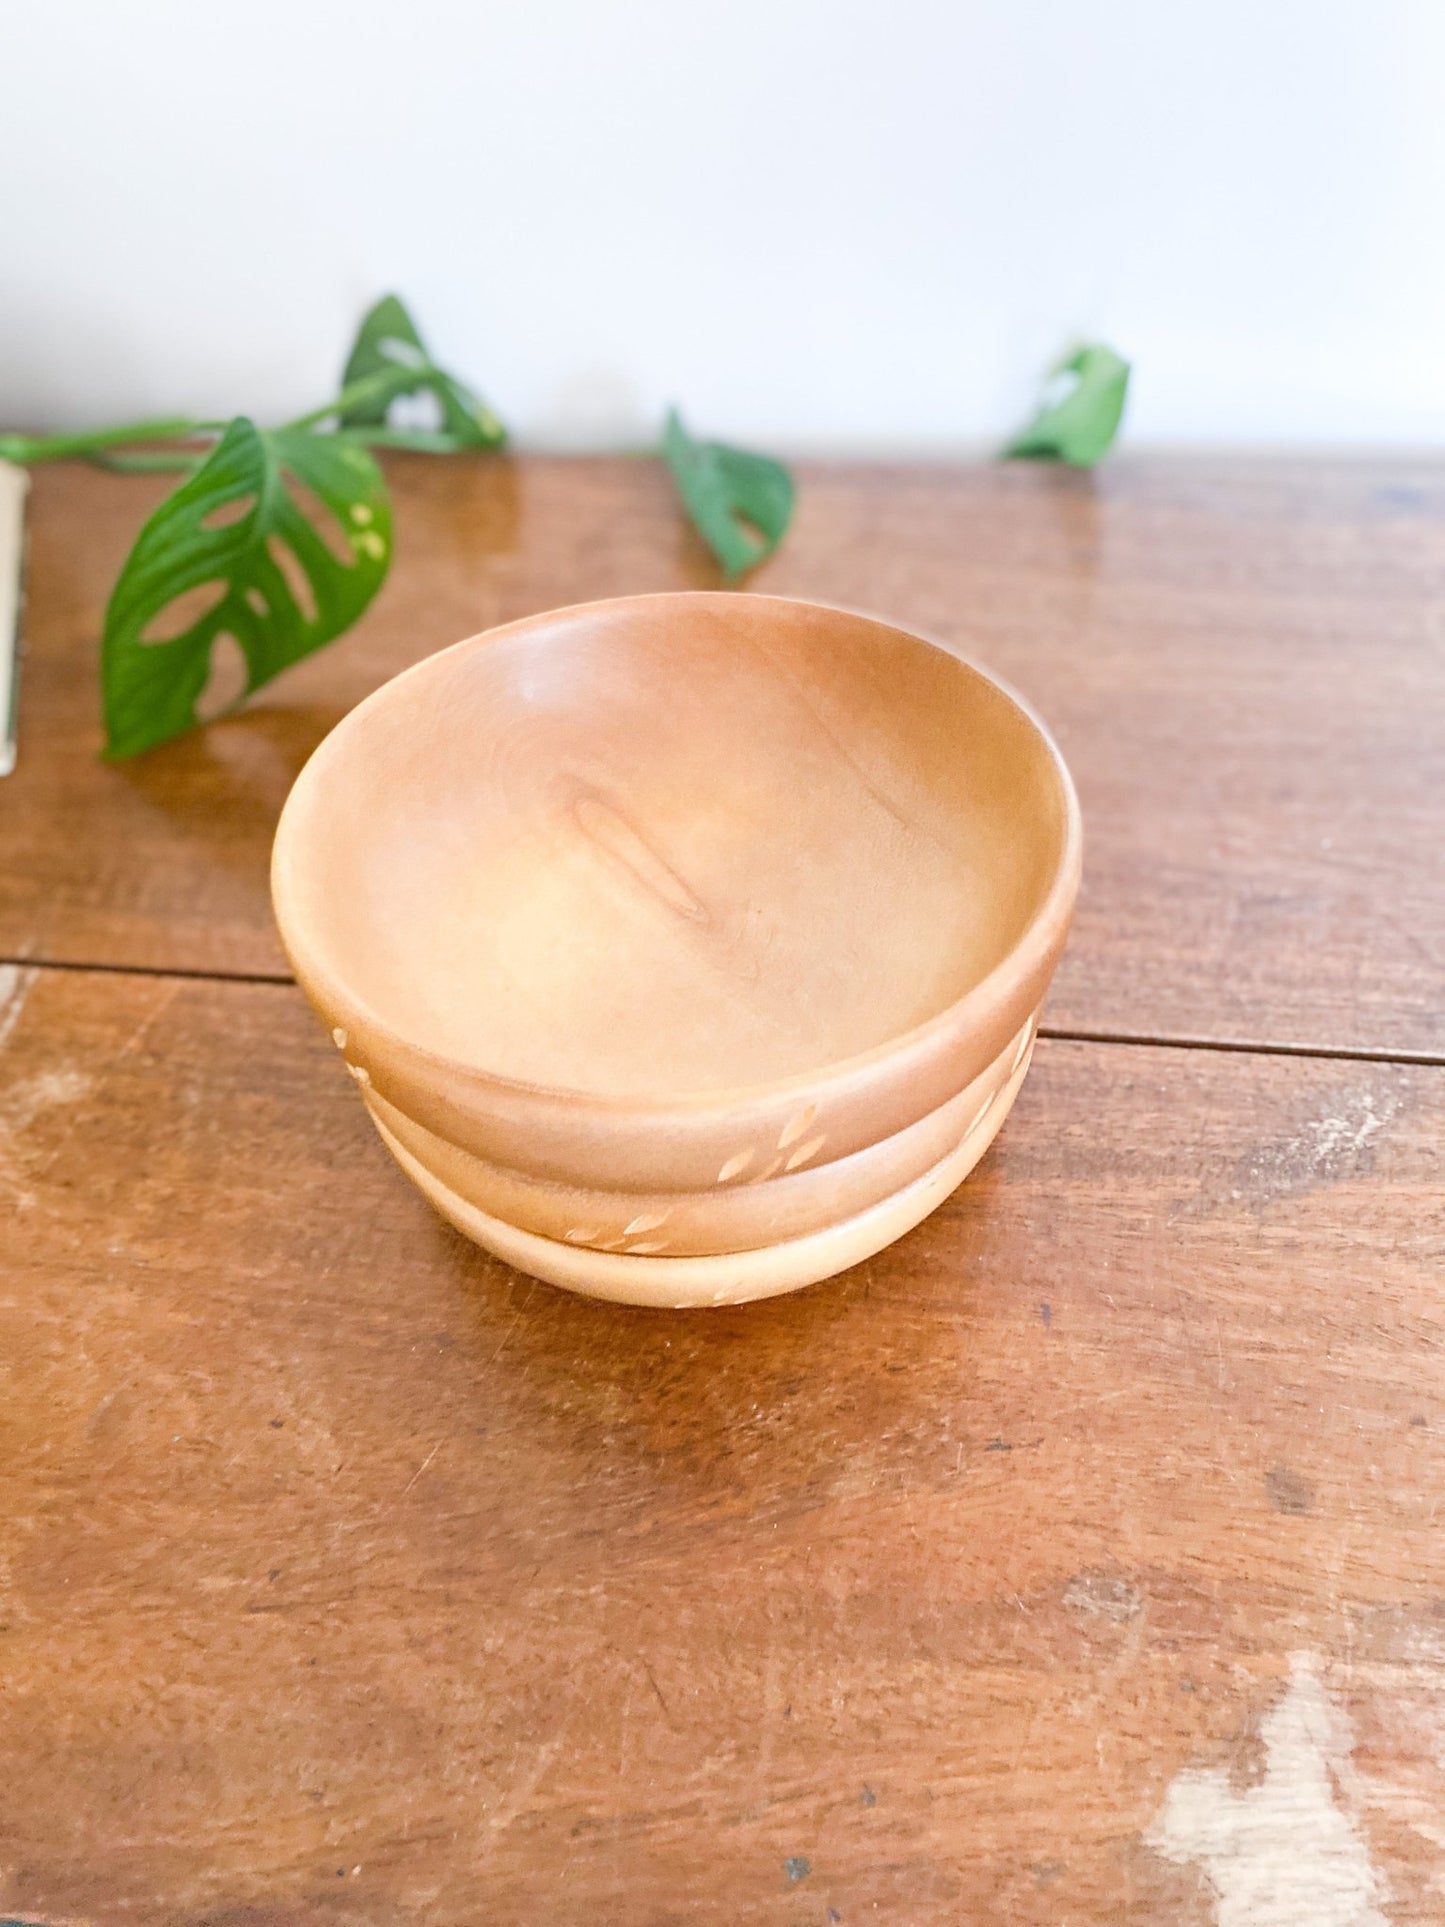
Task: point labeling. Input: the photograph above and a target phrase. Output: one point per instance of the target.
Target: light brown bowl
(737, 1216)
(724, 1278)
(678, 892)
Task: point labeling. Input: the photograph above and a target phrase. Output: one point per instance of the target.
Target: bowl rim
(1028, 954)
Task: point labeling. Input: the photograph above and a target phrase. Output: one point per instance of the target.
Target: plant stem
(381, 386)
(29, 449)
(425, 441)
(149, 461)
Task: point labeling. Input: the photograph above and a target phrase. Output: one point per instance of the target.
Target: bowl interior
(673, 845)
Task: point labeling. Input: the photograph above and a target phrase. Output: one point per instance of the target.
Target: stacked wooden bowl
(686, 948)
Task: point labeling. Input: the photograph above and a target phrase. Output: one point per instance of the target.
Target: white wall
(813, 222)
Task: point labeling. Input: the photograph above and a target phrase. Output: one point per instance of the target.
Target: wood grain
(348, 1577)
(1243, 660)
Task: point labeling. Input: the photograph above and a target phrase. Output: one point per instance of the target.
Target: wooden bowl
(738, 1216)
(677, 892)
(723, 1278)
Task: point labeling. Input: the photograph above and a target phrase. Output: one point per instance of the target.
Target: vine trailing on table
(278, 538)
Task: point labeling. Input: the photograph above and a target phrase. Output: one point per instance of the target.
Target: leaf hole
(419, 411)
(226, 514)
(228, 680)
(320, 517)
(752, 535)
(296, 578)
(406, 354)
(183, 612)
(258, 602)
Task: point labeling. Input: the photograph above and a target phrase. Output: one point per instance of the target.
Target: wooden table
(1076, 1561)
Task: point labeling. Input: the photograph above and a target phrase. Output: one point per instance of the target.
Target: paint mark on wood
(797, 1866)
(1283, 1853)
(1322, 1150)
(106, 1422)
(46, 1091)
(20, 1106)
(1102, 1595)
(14, 989)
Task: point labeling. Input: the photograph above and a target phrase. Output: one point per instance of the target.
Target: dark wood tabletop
(1074, 1561)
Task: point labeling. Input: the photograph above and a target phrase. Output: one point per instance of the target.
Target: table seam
(1052, 1033)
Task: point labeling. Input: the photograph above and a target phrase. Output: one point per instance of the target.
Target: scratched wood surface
(1063, 1565)
(1244, 662)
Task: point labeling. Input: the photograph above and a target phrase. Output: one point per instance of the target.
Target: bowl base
(725, 1278)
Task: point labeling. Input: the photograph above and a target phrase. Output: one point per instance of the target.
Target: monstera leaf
(391, 361)
(1079, 427)
(278, 539)
(739, 503)
(234, 554)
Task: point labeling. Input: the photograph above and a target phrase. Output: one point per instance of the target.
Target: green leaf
(739, 503)
(390, 356)
(280, 590)
(1079, 427)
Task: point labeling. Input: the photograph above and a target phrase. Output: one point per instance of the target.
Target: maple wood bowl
(678, 941)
